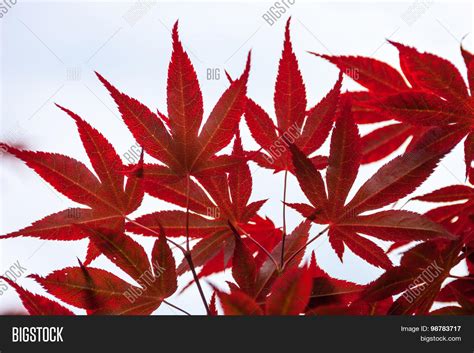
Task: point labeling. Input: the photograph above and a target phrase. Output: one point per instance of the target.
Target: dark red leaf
(239, 303)
(290, 293)
(164, 268)
(36, 304)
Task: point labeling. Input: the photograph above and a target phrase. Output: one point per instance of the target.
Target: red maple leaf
(108, 200)
(231, 209)
(36, 304)
(306, 128)
(395, 180)
(289, 295)
(178, 141)
(422, 271)
(436, 96)
(101, 292)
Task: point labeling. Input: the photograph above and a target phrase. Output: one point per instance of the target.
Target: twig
(176, 307)
(189, 259)
(282, 261)
(183, 250)
(187, 256)
(304, 246)
(187, 211)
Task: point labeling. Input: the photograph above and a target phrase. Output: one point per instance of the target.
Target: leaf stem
(189, 259)
(282, 261)
(176, 307)
(187, 256)
(187, 211)
(183, 250)
(305, 246)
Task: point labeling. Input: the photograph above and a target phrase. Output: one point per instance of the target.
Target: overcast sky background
(50, 50)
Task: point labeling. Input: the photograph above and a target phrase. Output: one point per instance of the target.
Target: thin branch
(176, 307)
(187, 256)
(189, 259)
(282, 260)
(305, 246)
(187, 211)
(236, 232)
(183, 250)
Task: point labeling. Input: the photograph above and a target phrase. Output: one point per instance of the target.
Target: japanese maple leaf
(108, 201)
(289, 295)
(436, 96)
(420, 275)
(346, 220)
(254, 271)
(101, 292)
(231, 193)
(461, 291)
(254, 275)
(355, 309)
(216, 252)
(308, 129)
(328, 292)
(36, 304)
(268, 270)
(333, 296)
(186, 149)
(455, 217)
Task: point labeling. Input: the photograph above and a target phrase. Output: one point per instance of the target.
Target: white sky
(41, 42)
